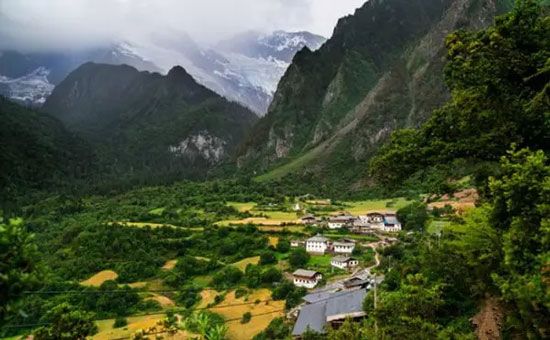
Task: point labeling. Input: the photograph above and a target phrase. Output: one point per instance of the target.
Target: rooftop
(332, 306)
(305, 273)
(318, 238)
(391, 220)
(341, 258)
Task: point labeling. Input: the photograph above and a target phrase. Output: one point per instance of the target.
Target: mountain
(36, 152)
(381, 70)
(147, 123)
(29, 78)
(245, 68)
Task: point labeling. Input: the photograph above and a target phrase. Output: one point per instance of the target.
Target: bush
(298, 257)
(240, 292)
(283, 246)
(246, 317)
(267, 257)
(227, 278)
(271, 275)
(120, 322)
(413, 216)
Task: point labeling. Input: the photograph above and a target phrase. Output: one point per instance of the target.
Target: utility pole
(375, 303)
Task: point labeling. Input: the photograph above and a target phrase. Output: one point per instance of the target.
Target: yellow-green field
(236, 330)
(153, 225)
(273, 241)
(362, 207)
(244, 262)
(98, 279)
(242, 207)
(107, 332)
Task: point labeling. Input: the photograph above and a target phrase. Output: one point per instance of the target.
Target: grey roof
(344, 244)
(341, 258)
(312, 316)
(305, 273)
(318, 238)
(391, 220)
(341, 219)
(335, 305)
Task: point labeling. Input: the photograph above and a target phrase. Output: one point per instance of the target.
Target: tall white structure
(306, 278)
(317, 244)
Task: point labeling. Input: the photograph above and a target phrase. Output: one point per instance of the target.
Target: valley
(391, 182)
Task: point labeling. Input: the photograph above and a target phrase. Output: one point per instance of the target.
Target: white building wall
(344, 249)
(300, 282)
(335, 225)
(316, 247)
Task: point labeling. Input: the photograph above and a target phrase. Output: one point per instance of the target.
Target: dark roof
(305, 273)
(308, 217)
(330, 306)
(341, 258)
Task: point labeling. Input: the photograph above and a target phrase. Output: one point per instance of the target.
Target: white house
(343, 247)
(340, 221)
(317, 244)
(391, 224)
(343, 262)
(306, 278)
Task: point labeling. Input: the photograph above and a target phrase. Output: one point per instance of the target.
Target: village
(331, 303)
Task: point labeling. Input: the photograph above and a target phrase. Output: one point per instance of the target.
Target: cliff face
(381, 70)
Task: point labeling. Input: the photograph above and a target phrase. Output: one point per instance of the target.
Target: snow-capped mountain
(30, 78)
(245, 68)
(30, 89)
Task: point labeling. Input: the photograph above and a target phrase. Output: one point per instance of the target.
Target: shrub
(298, 257)
(240, 292)
(120, 322)
(267, 257)
(246, 317)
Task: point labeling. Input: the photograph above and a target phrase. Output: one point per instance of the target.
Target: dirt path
(488, 321)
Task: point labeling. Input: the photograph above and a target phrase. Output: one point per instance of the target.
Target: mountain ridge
(369, 87)
(144, 121)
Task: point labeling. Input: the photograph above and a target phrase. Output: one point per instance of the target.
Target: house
(356, 282)
(306, 278)
(309, 219)
(375, 217)
(330, 310)
(362, 226)
(297, 243)
(340, 221)
(343, 262)
(343, 247)
(391, 224)
(317, 244)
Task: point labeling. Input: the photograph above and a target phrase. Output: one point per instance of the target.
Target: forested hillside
(37, 152)
(144, 123)
(381, 70)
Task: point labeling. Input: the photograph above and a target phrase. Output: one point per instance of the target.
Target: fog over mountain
(240, 48)
(33, 25)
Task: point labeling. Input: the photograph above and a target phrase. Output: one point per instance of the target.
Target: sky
(35, 25)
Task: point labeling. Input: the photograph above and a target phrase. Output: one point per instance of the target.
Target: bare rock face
(203, 145)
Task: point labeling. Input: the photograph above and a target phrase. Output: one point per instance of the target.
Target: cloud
(62, 24)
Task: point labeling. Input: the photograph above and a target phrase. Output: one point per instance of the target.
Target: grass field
(202, 281)
(295, 164)
(353, 237)
(317, 261)
(236, 330)
(98, 279)
(273, 241)
(157, 212)
(362, 207)
(169, 265)
(242, 207)
(153, 225)
(243, 263)
(292, 229)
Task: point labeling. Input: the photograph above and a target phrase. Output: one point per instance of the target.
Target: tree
(521, 200)
(246, 317)
(413, 216)
(298, 257)
(271, 275)
(267, 257)
(283, 246)
(18, 262)
(500, 95)
(67, 323)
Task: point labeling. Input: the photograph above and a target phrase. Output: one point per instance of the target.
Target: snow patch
(31, 89)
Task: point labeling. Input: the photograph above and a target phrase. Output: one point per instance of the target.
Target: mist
(38, 25)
